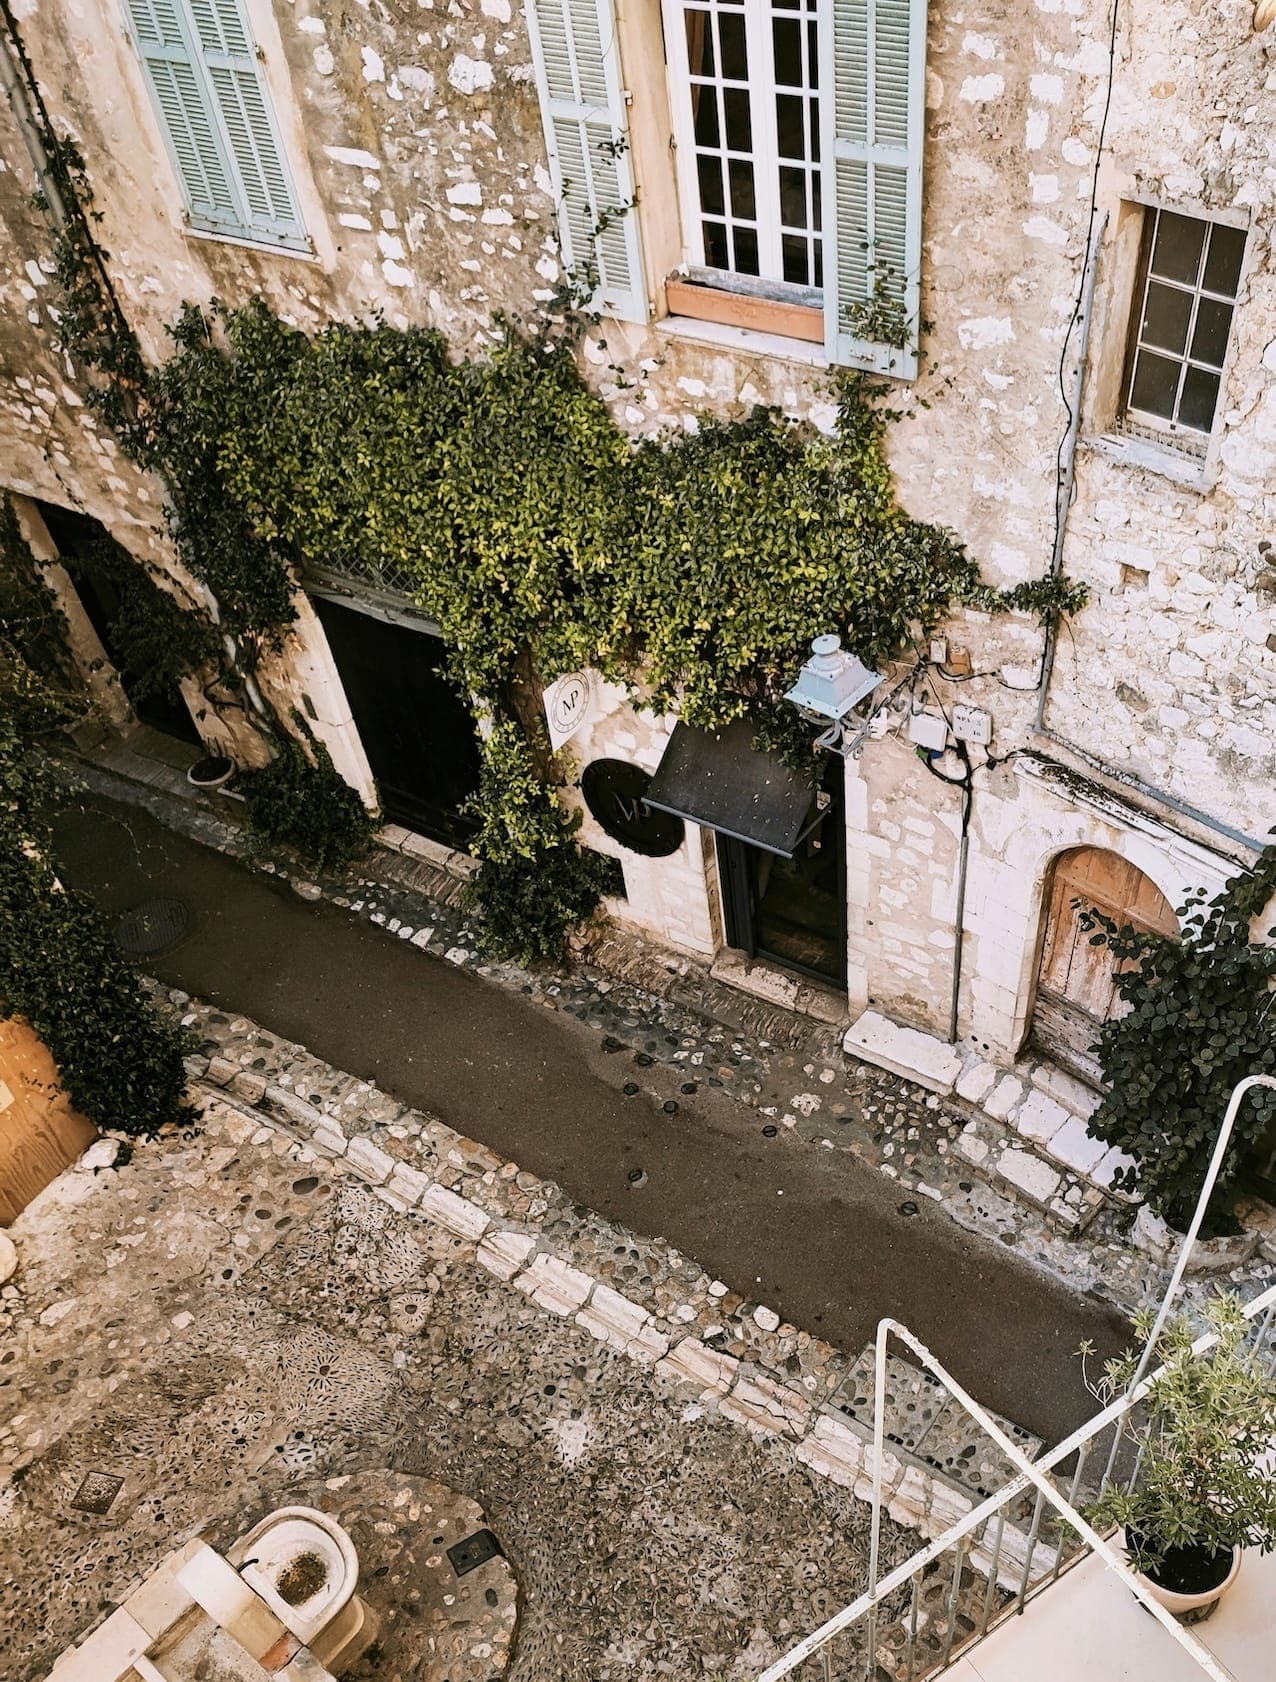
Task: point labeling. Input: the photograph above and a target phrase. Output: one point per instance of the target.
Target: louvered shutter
(183, 106)
(234, 74)
(586, 133)
(874, 62)
(203, 71)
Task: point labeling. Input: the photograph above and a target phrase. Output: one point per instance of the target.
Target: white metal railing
(921, 1616)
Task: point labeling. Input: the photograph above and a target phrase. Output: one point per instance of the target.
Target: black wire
(1079, 305)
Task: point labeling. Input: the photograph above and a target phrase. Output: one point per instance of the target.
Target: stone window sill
(722, 337)
(1193, 473)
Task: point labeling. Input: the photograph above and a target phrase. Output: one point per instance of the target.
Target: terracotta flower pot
(1180, 1602)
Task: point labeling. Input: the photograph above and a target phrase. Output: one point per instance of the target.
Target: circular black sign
(615, 793)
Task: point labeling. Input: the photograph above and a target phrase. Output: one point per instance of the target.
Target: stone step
(924, 1420)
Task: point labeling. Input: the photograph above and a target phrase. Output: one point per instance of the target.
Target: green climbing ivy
(500, 494)
(1202, 1015)
(119, 1060)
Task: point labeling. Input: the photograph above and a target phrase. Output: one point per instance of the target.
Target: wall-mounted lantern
(830, 686)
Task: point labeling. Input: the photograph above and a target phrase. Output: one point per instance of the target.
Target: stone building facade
(1048, 146)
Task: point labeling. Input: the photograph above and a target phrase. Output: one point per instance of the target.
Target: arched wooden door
(1076, 982)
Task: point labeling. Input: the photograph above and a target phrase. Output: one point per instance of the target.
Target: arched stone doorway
(1076, 982)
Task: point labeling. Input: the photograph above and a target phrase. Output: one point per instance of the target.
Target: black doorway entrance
(76, 537)
(791, 911)
(416, 730)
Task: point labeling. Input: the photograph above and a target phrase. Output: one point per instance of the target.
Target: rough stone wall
(415, 140)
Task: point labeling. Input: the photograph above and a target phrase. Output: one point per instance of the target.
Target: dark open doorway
(75, 536)
(416, 730)
(791, 911)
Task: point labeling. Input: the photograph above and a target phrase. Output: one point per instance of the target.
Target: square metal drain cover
(474, 1551)
(97, 1492)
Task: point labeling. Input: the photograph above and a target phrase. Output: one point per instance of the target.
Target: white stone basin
(302, 1564)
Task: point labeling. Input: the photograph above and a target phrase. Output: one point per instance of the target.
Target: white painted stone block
(1029, 1173)
(904, 1051)
(1066, 1089)
(1008, 1093)
(369, 1161)
(1109, 1165)
(408, 1183)
(457, 1214)
(503, 1253)
(1040, 1117)
(690, 1362)
(1077, 1147)
(555, 1284)
(767, 1408)
(977, 1082)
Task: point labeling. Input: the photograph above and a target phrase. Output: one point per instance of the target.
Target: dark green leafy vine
(118, 1059)
(1202, 1015)
(501, 495)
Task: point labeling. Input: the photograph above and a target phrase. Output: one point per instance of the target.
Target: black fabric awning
(724, 783)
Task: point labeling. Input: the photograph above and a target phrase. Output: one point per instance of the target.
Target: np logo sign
(568, 704)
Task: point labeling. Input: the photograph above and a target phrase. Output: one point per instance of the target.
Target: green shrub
(534, 882)
(1200, 1019)
(305, 805)
(119, 1060)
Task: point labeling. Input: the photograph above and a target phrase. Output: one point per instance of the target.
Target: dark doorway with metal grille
(416, 729)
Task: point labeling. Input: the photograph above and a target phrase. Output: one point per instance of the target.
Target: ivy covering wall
(119, 1061)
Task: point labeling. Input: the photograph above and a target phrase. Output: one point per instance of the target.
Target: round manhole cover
(151, 927)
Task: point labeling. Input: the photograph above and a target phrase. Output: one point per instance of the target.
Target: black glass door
(416, 730)
(792, 911)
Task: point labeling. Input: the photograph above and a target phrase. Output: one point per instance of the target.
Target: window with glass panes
(746, 94)
(1188, 278)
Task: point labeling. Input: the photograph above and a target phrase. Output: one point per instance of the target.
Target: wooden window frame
(757, 303)
(1171, 434)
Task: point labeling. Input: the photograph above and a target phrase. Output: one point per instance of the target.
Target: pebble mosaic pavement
(227, 1324)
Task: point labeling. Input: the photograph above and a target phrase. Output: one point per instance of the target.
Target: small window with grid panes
(1189, 274)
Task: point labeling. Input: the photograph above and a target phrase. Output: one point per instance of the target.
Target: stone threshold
(737, 1358)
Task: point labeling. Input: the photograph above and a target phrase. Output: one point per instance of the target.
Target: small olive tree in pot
(1204, 1432)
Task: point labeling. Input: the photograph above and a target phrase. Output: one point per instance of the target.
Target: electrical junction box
(972, 724)
(929, 732)
(938, 650)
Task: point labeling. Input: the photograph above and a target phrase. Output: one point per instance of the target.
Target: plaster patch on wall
(978, 90)
(1042, 228)
(982, 332)
(470, 76)
(352, 156)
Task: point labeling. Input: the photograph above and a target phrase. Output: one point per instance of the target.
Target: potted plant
(1204, 1489)
(213, 771)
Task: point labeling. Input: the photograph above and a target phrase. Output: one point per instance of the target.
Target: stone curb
(745, 1392)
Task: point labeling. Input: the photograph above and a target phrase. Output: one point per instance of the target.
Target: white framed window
(214, 108)
(744, 84)
(798, 130)
(1185, 292)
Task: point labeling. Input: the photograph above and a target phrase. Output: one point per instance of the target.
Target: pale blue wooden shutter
(586, 134)
(874, 64)
(230, 60)
(203, 72)
(178, 90)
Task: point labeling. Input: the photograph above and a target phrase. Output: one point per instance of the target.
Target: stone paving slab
(639, 1296)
